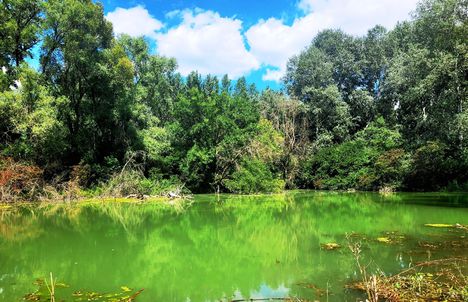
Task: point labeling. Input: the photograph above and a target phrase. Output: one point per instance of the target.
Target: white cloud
(135, 21)
(206, 42)
(272, 75)
(273, 42)
(357, 16)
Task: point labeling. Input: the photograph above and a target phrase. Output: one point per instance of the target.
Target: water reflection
(223, 246)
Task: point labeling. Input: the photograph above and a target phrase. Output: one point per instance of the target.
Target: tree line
(385, 111)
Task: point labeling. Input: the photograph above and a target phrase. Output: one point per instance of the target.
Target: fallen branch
(430, 263)
(133, 297)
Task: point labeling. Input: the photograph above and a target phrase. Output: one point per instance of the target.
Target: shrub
(134, 182)
(19, 181)
(254, 176)
(371, 161)
(430, 168)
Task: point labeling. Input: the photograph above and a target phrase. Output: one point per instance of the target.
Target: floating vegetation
(443, 280)
(443, 225)
(391, 238)
(439, 225)
(330, 246)
(56, 291)
(384, 240)
(449, 244)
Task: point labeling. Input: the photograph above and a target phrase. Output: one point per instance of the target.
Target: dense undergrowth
(23, 182)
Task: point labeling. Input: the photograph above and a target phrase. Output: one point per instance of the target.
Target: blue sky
(251, 38)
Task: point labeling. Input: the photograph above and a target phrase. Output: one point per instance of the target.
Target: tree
(30, 128)
(310, 69)
(254, 169)
(339, 60)
(330, 119)
(19, 30)
(156, 80)
(427, 82)
(93, 74)
(290, 118)
(375, 59)
(343, 52)
(372, 160)
(210, 128)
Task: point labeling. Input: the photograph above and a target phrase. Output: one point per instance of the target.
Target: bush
(455, 186)
(19, 181)
(373, 160)
(254, 176)
(339, 167)
(134, 182)
(430, 168)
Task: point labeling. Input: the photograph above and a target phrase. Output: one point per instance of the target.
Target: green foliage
(431, 167)
(98, 98)
(134, 183)
(254, 176)
(30, 124)
(372, 160)
(256, 173)
(92, 74)
(19, 30)
(290, 119)
(414, 76)
(210, 130)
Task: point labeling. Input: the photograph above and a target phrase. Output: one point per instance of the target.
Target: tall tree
(19, 29)
(427, 84)
(93, 74)
(290, 118)
(156, 81)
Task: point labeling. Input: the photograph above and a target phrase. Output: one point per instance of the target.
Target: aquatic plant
(58, 291)
(436, 280)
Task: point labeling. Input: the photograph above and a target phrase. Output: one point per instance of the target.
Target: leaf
(126, 289)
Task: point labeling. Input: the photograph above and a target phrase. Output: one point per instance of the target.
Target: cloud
(357, 16)
(206, 42)
(274, 75)
(273, 42)
(135, 21)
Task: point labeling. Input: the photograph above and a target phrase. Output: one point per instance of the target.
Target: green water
(226, 246)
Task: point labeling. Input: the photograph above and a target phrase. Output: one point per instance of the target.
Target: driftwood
(430, 263)
(138, 196)
(133, 297)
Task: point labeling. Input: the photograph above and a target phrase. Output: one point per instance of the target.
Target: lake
(224, 247)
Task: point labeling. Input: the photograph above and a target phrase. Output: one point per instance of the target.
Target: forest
(104, 115)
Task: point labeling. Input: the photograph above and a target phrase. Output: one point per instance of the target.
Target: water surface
(226, 247)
